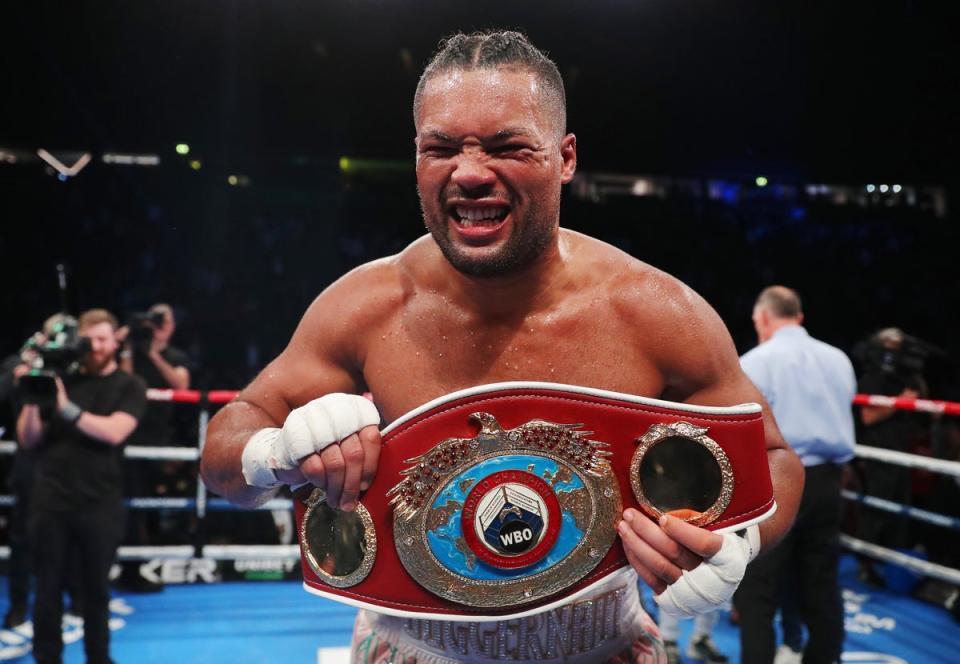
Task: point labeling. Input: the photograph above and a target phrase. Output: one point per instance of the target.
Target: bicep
(699, 360)
(704, 368)
(317, 361)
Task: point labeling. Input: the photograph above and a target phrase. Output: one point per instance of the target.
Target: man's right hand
(332, 442)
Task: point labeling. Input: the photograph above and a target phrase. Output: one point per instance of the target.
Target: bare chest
(419, 357)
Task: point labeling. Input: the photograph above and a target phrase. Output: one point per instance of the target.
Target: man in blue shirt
(810, 387)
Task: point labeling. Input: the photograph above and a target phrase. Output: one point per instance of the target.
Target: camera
(56, 353)
(892, 351)
(142, 326)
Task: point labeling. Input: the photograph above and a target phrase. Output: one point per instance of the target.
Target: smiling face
(491, 159)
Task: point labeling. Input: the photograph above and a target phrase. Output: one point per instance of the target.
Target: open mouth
(479, 216)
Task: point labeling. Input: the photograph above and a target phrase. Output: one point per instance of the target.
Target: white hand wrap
(711, 583)
(307, 430)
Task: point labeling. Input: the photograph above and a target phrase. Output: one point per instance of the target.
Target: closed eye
(438, 150)
(508, 147)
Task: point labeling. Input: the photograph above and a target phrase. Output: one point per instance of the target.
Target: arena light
(60, 167)
(884, 188)
(761, 181)
(896, 188)
(232, 180)
(642, 187)
(131, 159)
(195, 164)
(353, 165)
(183, 148)
(871, 188)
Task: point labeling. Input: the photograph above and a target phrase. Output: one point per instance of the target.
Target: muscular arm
(690, 569)
(298, 375)
(320, 359)
(708, 373)
(786, 470)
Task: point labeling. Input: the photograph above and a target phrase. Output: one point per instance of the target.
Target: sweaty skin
(549, 304)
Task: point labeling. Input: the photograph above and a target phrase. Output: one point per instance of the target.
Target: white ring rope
(252, 551)
(951, 468)
(923, 567)
(177, 503)
(215, 504)
(909, 460)
(935, 518)
(161, 453)
(190, 453)
(208, 552)
(170, 552)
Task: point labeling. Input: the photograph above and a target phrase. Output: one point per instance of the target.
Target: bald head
(780, 301)
(776, 307)
(498, 49)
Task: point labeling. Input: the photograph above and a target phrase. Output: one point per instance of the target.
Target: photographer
(148, 354)
(77, 497)
(53, 345)
(19, 481)
(893, 364)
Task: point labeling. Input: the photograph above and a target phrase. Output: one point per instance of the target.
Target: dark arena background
(235, 157)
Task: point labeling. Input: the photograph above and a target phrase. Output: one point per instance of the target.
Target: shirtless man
(496, 292)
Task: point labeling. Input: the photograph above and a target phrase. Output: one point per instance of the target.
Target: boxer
(497, 291)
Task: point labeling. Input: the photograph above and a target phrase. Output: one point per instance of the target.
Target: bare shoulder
(651, 296)
(326, 351)
(677, 328)
(640, 292)
(362, 299)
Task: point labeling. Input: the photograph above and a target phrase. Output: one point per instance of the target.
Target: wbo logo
(511, 519)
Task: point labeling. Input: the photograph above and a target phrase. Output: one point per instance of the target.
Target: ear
(568, 152)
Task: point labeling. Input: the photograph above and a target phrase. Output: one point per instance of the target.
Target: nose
(471, 172)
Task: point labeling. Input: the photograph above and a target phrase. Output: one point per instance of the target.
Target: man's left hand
(661, 554)
(690, 570)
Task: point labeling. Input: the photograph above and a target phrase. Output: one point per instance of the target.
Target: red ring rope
(900, 403)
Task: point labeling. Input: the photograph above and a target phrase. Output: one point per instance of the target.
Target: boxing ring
(204, 556)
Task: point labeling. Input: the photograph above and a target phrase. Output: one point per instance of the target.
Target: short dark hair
(493, 49)
(780, 301)
(162, 308)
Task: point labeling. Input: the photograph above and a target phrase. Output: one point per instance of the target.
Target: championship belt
(502, 500)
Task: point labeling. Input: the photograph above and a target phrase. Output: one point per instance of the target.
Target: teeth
(469, 214)
(469, 223)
